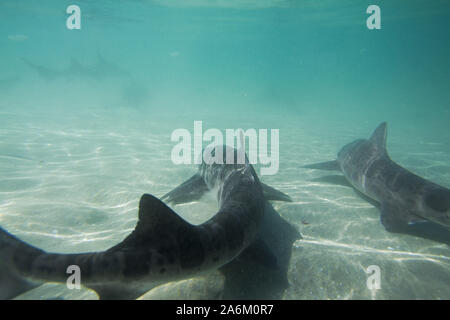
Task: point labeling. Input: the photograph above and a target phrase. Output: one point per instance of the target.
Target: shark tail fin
(379, 136)
(12, 283)
(190, 190)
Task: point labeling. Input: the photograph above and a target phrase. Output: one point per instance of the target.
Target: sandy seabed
(71, 182)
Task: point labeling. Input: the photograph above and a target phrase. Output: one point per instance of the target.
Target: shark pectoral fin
(429, 230)
(395, 222)
(273, 194)
(390, 220)
(258, 252)
(328, 165)
(190, 190)
(260, 272)
(413, 225)
(254, 274)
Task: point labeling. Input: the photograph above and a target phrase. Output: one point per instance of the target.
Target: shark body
(408, 203)
(163, 247)
(100, 70)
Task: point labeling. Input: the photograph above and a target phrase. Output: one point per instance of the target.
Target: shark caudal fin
(379, 136)
(14, 251)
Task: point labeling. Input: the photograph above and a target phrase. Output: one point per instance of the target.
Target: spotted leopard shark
(163, 246)
(408, 203)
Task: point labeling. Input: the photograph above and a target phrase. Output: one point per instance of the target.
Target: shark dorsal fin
(379, 136)
(153, 213)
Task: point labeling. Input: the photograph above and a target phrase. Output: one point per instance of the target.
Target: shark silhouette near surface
(100, 70)
(163, 247)
(408, 203)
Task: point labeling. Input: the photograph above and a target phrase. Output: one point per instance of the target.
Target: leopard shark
(163, 246)
(408, 203)
(98, 71)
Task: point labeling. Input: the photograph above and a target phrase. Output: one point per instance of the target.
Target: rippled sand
(71, 182)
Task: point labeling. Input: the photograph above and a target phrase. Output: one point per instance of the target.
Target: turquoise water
(79, 145)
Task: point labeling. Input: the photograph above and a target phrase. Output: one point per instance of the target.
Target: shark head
(220, 161)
